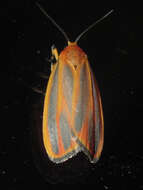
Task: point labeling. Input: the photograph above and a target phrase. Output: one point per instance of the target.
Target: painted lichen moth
(72, 114)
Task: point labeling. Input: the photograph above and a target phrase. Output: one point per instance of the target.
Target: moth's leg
(37, 90)
(53, 60)
(54, 57)
(42, 75)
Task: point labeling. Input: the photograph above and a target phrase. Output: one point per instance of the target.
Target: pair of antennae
(62, 31)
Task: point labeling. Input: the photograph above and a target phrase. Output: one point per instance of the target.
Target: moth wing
(87, 116)
(58, 141)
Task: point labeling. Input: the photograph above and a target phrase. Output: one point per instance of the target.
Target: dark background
(114, 51)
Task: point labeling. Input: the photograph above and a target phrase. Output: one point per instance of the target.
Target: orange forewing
(55, 111)
(72, 117)
(87, 116)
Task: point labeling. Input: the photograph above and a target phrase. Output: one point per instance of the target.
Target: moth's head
(72, 54)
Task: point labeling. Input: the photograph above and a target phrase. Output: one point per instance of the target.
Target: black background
(114, 51)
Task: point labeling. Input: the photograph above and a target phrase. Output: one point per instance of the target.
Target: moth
(72, 114)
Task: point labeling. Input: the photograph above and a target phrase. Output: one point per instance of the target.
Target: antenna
(92, 25)
(53, 21)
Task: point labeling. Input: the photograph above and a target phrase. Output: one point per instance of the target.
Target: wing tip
(65, 157)
(93, 158)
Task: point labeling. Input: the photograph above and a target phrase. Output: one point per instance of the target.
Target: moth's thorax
(73, 54)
